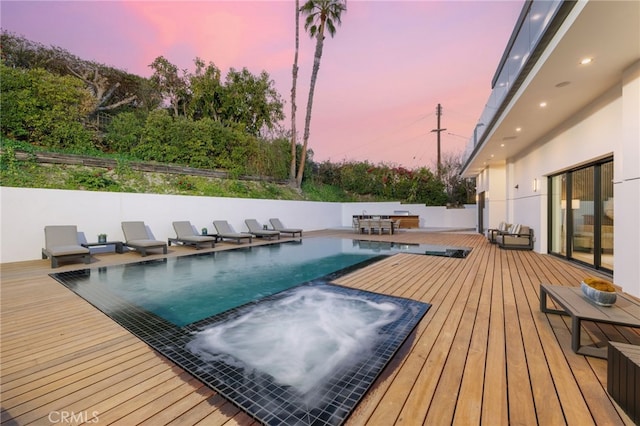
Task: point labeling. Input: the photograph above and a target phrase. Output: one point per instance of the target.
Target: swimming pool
(176, 304)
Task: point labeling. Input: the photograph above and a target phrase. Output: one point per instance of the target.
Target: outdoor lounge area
(483, 353)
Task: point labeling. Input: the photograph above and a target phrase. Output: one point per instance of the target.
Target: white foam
(300, 340)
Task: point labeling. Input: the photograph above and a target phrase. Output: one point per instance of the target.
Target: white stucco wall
(609, 126)
(626, 186)
(25, 213)
(493, 182)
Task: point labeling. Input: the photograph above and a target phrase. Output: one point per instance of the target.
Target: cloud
(380, 79)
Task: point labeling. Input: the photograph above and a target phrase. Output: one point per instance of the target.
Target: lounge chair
(185, 235)
(225, 231)
(520, 237)
(259, 231)
(278, 226)
(137, 238)
(61, 243)
(493, 233)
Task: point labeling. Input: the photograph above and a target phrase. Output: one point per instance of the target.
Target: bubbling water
(300, 340)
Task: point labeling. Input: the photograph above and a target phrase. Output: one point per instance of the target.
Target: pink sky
(381, 76)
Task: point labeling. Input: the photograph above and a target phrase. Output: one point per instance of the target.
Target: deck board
(483, 353)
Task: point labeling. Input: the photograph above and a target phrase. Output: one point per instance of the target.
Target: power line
(385, 136)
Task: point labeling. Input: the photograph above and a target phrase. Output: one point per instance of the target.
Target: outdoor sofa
(519, 237)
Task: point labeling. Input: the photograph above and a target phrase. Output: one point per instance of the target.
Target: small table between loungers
(118, 245)
(625, 312)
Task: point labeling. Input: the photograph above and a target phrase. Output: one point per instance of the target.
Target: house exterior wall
(627, 186)
(609, 126)
(493, 182)
(26, 211)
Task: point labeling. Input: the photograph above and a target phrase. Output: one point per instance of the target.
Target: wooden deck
(483, 354)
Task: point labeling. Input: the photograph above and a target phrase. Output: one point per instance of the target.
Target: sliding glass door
(581, 214)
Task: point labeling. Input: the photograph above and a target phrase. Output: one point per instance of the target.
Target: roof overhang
(606, 31)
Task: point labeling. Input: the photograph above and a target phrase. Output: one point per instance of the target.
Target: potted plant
(102, 238)
(600, 291)
(205, 231)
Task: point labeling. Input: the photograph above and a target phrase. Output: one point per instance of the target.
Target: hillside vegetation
(53, 101)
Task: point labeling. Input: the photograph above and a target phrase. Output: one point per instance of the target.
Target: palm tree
(292, 171)
(321, 15)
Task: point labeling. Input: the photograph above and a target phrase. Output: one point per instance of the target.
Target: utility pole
(438, 131)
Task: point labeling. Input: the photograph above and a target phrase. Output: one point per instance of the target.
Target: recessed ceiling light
(586, 61)
(543, 104)
(518, 129)
(501, 145)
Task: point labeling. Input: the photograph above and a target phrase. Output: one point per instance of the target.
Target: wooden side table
(623, 377)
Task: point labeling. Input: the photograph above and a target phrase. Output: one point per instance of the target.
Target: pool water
(319, 346)
(189, 288)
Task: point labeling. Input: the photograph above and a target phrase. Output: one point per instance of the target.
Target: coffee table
(625, 312)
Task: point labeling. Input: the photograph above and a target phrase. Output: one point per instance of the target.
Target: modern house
(557, 146)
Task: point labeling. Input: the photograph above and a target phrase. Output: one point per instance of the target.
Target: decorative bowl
(601, 298)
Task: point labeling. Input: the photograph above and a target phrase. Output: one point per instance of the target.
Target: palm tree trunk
(307, 121)
(292, 170)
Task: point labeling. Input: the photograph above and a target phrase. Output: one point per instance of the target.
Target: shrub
(45, 109)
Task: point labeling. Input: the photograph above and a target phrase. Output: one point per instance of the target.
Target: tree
(206, 91)
(294, 75)
(172, 86)
(111, 88)
(251, 101)
(100, 86)
(459, 190)
(321, 15)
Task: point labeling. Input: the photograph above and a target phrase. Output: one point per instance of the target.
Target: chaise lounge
(185, 235)
(225, 231)
(259, 231)
(278, 226)
(61, 243)
(137, 238)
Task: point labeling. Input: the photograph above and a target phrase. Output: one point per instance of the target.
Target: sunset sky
(381, 76)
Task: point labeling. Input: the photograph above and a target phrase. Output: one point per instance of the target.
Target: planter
(102, 238)
(601, 298)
